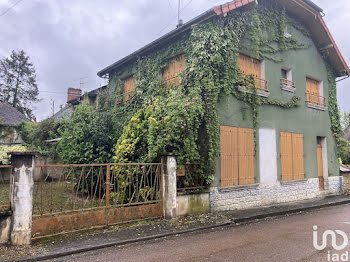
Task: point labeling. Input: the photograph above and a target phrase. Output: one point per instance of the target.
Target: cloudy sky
(70, 40)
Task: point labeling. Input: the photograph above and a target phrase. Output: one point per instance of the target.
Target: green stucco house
(276, 63)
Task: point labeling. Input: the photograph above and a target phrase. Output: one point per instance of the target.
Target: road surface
(279, 239)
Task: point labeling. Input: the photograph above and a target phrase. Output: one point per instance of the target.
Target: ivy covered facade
(247, 91)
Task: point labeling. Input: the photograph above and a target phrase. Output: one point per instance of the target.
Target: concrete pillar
(22, 197)
(170, 188)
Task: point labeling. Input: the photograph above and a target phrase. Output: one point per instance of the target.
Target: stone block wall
(233, 198)
(346, 183)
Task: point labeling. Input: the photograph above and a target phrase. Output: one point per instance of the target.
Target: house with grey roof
(10, 118)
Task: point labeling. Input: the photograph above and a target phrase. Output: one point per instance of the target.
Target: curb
(290, 211)
(234, 221)
(121, 243)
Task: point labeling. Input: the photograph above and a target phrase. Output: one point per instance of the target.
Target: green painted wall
(310, 122)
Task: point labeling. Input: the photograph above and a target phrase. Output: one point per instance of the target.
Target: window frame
(261, 79)
(237, 159)
(321, 103)
(174, 80)
(287, 84)
(292, 157)
(127, 96)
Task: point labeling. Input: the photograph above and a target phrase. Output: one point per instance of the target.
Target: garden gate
(74, 197)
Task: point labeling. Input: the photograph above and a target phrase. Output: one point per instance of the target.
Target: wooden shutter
(237, 156)
(229, 156)
(292, 156)
(286, 156)
(246, 156)
(128, 88)
(298, 156)
(171, 72)
(249, 65)
(320, 167)
(312, 91)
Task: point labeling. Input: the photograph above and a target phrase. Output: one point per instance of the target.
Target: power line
(171, 7)
(8, 9)
(174, 17)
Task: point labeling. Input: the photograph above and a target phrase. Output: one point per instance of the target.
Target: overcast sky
(69, 41)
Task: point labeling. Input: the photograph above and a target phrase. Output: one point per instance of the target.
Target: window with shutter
(128, 88)
(313, 93)
(252, 66)
(172, 71)
(237, 156)
(292, 156)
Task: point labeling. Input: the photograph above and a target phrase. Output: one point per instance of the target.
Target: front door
(320, 166)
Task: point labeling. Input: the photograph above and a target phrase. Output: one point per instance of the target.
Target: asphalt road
(279, 239)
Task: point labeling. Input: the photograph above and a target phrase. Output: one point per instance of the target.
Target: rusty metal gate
(74, 197)
(5, 172)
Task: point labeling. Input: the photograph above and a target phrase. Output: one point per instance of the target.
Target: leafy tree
(88, 136)
(18, 82)
(344, 119)
(34, 136)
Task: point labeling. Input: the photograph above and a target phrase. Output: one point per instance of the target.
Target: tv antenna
(179, 19)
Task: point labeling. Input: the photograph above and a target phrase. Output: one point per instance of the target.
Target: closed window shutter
(298, 156)
(286, 156)
(237, 156)
(172, 71)
(246, 156)
(292, 156)
(249, 65)
(312, 91)
(128, 88)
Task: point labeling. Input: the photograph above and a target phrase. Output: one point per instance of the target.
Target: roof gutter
(314, 6)
(199, 19)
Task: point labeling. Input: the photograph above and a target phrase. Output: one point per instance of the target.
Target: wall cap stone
(294, 182)
(237, 188)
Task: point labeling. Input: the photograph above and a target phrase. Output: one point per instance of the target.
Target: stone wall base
(233, 198)
(5, 227)
(191, 204)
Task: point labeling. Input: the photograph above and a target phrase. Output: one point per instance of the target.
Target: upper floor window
(172, 71)
(287, 82)
(128, 88)
(252, 66)
(314, 94)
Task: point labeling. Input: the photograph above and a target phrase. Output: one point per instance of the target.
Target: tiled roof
(306, 10)
(225, 8)
(10, 115)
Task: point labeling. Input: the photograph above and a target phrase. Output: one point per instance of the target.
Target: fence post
(170, 188)
(22, 184)
(108, 182)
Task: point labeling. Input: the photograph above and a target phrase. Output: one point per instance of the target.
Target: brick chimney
(73, 93)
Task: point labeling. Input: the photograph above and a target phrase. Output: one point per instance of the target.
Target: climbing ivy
(184, 120)
(333, 107)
